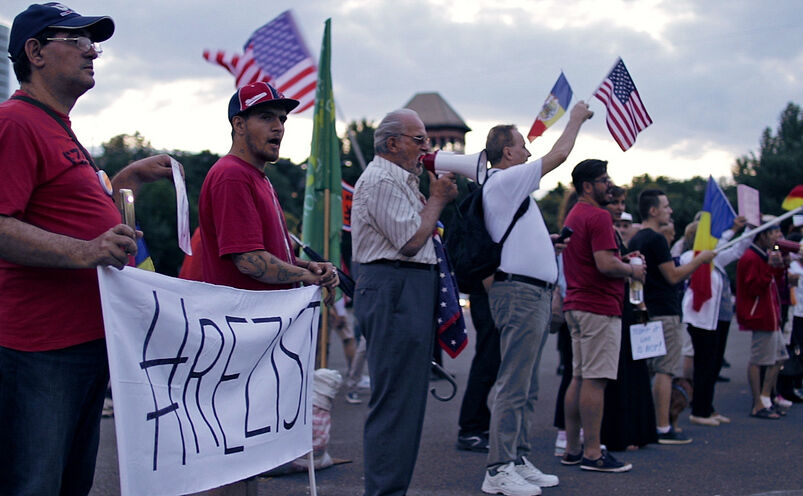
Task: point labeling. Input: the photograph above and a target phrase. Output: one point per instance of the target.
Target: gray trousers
(395, 308)
(521, 312)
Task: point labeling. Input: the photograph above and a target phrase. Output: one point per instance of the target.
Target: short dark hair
(617, 191)
(586, 171)
(498, 138)
(22, 66)
(648, 199)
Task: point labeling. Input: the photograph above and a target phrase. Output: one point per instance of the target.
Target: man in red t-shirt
(244, 238)
(58, 222)
(593, 307)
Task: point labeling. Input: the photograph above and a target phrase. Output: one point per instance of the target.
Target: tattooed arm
(265, 267)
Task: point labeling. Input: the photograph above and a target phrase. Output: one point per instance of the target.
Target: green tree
(156, 202)
(550, 206)
(364, 134)
(685, 197)
(288, 181)
(779, 164)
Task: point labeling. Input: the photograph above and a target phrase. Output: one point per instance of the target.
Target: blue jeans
(521, 312)
(50, 406)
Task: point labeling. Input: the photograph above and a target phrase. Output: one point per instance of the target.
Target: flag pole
(762, 227)
(324, 344)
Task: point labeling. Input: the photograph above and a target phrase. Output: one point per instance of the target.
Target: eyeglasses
(419, 140)
(83, 43)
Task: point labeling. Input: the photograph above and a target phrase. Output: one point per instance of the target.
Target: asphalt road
(748, 457)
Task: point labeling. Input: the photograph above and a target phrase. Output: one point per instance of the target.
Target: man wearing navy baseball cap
(244, 239)
(58, 222)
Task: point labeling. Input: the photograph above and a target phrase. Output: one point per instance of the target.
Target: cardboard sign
(647, 340)
(748, 200)
(211, 384)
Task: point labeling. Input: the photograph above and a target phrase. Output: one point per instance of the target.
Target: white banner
(211, 384)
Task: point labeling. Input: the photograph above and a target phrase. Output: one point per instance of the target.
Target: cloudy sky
(712, 74)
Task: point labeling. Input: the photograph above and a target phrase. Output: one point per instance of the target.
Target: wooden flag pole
(324, 344)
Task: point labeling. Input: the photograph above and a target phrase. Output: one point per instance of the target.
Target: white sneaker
(505, 480)
(560, 443)
(534, 476)
(783, 402)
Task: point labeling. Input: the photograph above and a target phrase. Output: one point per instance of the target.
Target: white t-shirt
(528, 250)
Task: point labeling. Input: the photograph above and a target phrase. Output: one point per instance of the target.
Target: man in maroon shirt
(244, 238)
(593, 307)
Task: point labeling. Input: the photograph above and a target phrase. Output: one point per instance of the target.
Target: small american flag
(275, 53)
(451, 327)
(626, 113)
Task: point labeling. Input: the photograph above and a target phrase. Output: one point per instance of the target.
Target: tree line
(774, 169)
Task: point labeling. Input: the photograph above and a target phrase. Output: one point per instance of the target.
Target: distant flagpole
(323, 214)
(762, 227)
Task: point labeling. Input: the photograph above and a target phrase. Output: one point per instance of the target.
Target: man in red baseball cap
(244, 239)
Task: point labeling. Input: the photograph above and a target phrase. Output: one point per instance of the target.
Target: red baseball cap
(258, 93)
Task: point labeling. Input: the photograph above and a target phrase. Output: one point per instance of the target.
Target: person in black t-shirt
(663, 303)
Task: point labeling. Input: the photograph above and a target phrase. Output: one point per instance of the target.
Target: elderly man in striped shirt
(396, 293)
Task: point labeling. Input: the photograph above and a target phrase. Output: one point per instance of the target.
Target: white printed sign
(211, 384)
(647, 340)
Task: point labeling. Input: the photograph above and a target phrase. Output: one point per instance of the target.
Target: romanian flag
(143, 259)
(794, 199)
(554, 107)
(718, 216)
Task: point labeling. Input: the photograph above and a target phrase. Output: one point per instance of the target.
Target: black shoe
(722, 378)
(673, 437)
(473, 442)
(605, 463)
(570, 459)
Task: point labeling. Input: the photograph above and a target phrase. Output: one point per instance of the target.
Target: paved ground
(749, 457)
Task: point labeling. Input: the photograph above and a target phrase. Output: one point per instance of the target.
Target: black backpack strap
(522, 208)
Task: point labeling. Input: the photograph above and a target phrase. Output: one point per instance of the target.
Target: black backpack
(471, 251)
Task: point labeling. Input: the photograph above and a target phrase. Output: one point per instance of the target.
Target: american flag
(626, 113)
(452, 335)
(275, 53)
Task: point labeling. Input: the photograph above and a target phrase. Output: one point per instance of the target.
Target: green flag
(323, 169)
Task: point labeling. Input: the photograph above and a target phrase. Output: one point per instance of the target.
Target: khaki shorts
(767, 348)
(596, 340)
(674, 330)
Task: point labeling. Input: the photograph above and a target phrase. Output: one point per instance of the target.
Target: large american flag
(275, 53)
(626, 113)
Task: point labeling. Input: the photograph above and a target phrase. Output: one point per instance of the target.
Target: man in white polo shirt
(520, 298)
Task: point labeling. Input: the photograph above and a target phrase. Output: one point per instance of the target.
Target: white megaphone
(474, 167)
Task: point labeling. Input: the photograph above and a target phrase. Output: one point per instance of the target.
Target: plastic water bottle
(636, 288)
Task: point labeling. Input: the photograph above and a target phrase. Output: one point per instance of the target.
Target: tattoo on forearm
(265, 265)
(283, 273)
(251, 264)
